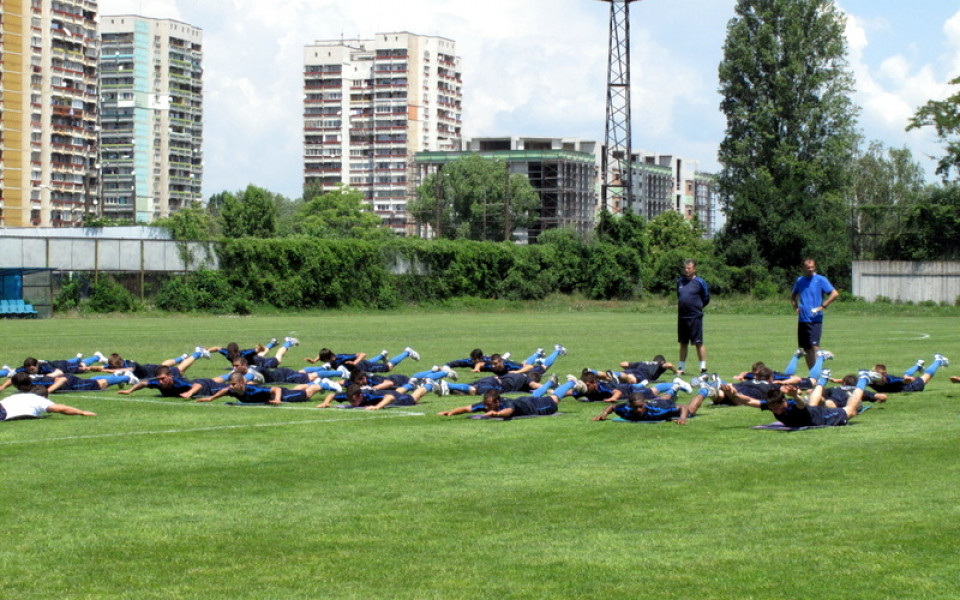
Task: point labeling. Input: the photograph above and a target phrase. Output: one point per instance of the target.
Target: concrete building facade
(151, 103)
(370, 105)
(48, 112)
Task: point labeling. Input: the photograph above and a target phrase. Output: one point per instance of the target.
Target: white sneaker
(539, 352)
(442, 388)
(131, 378)
(826, 354)
(578, 385)
(873, 376)
(292, 341)
(329, 384)
(204, 353)
(920, 363)
(825, 374)
(944, 361)
(559, 349)
(450, 372)
(413, 353)
(799, 352)
(344, 372)
(506, 355)
(682, 385)
(80, 355)
(100, 357)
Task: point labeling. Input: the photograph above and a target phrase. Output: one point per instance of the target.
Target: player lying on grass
(881, 381)
(116, 364)
(257, 356)
(751, 389)
(789, 375)
(476, 360)
(788, 406)
(171, 385)
(645, 406)
(51, 368)
(357, 396)
(71, 383)
(359, 362)
(591, 388)
(404, 384)
(635, 372)
(514, 381)
(541, 402)
(237, 387)
(498, 365)
(837, 397)
(28, 405)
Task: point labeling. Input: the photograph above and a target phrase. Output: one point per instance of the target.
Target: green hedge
(317, 273)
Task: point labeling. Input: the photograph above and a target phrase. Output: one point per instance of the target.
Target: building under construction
(562, 171)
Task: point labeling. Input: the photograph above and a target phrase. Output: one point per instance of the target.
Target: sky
(538, 68)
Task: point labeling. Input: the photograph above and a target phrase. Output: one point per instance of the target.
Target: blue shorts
(808, 334)
(690, 330)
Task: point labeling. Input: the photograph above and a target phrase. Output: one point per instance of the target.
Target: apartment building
(151, 106)
(48, 112)
(370, 106)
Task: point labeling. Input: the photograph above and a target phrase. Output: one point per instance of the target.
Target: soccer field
(157, 498)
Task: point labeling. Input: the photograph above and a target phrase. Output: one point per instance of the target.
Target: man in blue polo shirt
(808, 301)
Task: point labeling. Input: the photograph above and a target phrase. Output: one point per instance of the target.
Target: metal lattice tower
(615, 162)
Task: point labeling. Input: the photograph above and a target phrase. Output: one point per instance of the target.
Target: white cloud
(536, 67)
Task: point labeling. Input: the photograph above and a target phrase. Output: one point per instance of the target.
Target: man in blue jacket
(692, 296)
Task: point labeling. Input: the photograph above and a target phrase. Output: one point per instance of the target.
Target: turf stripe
(200, 429)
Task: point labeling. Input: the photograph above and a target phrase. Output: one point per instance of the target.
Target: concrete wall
(65, 254)
(907, 281)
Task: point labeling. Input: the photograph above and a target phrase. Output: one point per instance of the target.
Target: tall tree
(475, 198)
(944, 117)
(249, 213)
(340, 213)
(790, 133)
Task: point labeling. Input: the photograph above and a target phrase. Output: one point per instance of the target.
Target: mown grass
(164, 499)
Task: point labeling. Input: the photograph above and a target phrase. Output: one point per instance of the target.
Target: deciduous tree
(475, 198)
(944, 117)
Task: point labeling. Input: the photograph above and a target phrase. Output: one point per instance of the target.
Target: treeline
(630, 259)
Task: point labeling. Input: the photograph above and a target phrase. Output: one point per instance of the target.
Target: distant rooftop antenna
(615, 161)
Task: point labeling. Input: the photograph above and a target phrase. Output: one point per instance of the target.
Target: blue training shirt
(810, 291)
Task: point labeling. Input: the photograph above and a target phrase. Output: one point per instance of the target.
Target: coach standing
(692, 296)
(808, 300)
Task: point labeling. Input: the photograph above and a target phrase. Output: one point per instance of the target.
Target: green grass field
(157, 498)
